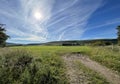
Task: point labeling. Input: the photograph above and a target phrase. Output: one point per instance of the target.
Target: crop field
(59, 65)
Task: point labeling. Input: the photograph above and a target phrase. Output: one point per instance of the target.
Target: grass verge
(107, 56)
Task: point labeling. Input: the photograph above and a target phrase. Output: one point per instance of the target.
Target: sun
(38, 15)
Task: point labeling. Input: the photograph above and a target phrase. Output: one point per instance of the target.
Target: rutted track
(112, 77)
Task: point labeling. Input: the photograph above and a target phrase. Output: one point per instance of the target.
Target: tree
(118, 28)
(98, 43)
(3, 36)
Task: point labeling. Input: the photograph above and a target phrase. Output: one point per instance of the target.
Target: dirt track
(73, 76)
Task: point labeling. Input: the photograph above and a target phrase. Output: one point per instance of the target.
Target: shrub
(19, 67)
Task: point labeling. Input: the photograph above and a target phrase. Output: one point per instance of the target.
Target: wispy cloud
(106, 23)
(62, 19)
(20, 20)
(70, 18)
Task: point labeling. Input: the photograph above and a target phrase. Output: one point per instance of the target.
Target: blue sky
(35, 21)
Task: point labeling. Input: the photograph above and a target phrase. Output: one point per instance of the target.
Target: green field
(105, 55)
(44, 64)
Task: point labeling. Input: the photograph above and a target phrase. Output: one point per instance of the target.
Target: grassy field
(107, 56)
(44, 65)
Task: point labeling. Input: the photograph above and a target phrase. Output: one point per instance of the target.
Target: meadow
(44, 64)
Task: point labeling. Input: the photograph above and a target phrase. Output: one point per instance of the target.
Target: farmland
(46, 64)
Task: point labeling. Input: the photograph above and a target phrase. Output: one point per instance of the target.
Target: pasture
(46, 64)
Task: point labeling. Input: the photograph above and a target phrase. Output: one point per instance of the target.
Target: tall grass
(107, 56)
(21, 67)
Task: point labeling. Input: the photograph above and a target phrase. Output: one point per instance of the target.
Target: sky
(38, 21)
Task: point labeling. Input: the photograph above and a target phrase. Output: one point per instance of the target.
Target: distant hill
(13, 44)
(67, 43)
(80, 42)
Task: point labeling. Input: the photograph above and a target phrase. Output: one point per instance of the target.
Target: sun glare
(38, 15)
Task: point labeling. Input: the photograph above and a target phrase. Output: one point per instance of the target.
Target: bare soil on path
(110, 76)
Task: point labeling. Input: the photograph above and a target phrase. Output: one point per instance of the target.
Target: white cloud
(72, 17)
(31, 38)
(24, 26)
(62, 19)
